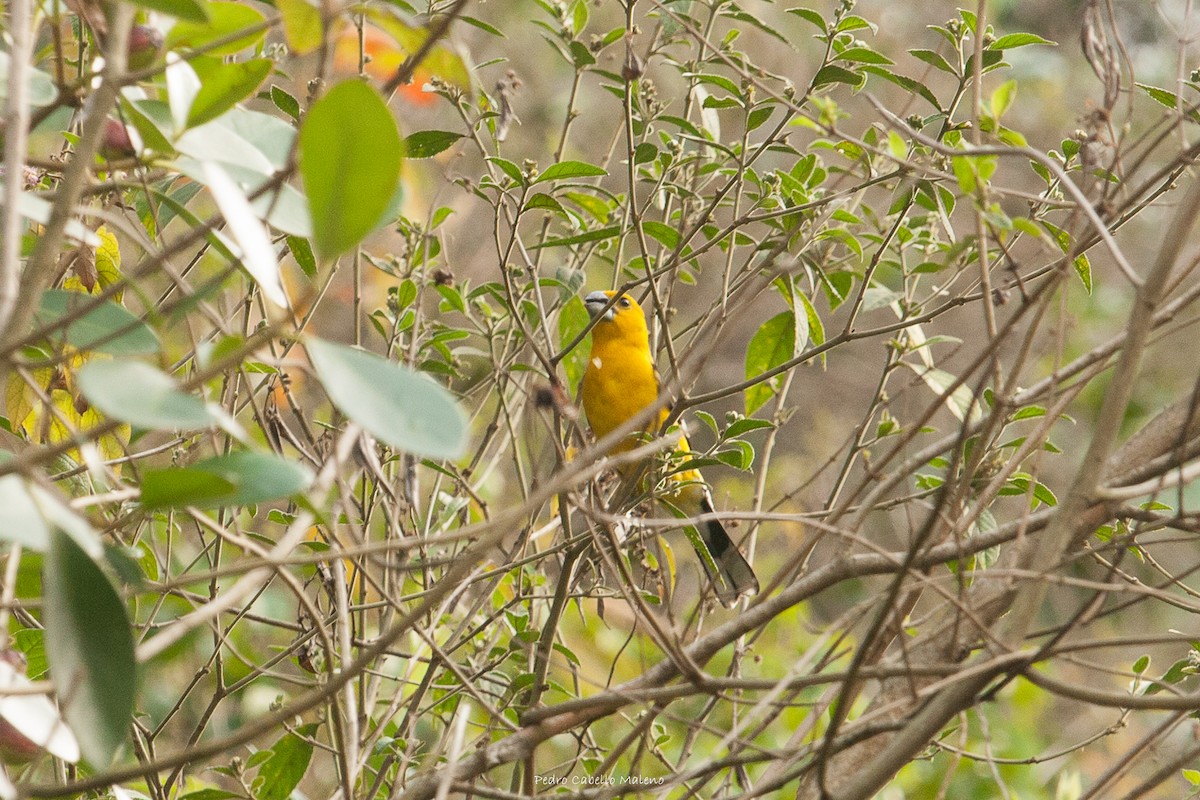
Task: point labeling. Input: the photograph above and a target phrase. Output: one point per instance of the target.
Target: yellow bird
(620, 381)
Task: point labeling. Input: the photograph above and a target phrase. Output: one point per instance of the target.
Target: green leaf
(222, 86)
(1002, 98)
(934, 59)
(646, 152)
(757, 117)
(831, 73)
(544, 201)
(569, 169)
(1012, 40)
(773, 344)
(21, 522)
(1083, 268)
(508, 168)
(90, 648)
(176, 488)
(257, 254)
(405, 409)
(107, 328)
(190, 10)
(281, 773)
(302, 27)
(746, 425)
(350, 152)
(665, 235)
(863, 55)
(141, 395)
(236, 479)
(224, 19)
(210, 794)
(427, 144)
(572, 319)
(809, 15)
(285, 102)
(1161, 96)
(852, 22)
(302, 252)
(581, 238)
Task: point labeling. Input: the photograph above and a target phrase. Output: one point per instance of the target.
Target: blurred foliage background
(297, 500)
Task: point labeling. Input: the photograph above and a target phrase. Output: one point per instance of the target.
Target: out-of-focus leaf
(222, 85)
(182, 87)
(40, 89)
(139, 394)
(90, 647)
(108, 328)
(302, 26)
(20, 520)
(190, 10)
(402, 408)
(258, 254)
(35, 208)
(350, 153)
(34, 716)
(225, 18)
(960, 402)
(236, 479)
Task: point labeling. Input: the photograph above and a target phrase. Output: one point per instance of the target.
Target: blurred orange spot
(382, 55)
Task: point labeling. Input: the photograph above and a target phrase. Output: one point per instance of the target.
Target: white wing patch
(596, 362)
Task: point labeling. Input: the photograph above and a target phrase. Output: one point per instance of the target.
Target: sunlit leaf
(258, 254)
(225, 19)
(302, 26)
(139, 394)
(402, 408)
(350, 152)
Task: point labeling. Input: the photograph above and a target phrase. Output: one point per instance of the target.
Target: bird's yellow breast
(618, 383)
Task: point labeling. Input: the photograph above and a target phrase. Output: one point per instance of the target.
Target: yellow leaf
(108, 267)
(28, 411)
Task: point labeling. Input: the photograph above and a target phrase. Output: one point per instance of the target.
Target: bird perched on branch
(621, 381)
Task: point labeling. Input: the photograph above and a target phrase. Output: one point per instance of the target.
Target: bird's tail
(731, 575)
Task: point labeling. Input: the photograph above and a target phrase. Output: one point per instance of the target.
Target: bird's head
(624, 317)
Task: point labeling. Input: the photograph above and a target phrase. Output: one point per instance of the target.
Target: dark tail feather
(733, 576)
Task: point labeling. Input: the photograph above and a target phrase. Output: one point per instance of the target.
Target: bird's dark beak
(595, 303)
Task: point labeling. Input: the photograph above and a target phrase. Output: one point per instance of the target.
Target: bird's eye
(624, 302)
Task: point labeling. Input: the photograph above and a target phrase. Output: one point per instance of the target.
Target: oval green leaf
(107, 328)
(141, 395)
(289, 759)
(90, 648)
(426, 144)
(235, 479)
(405, 409)
(771, 345)
(350, 153)
(570, 169)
